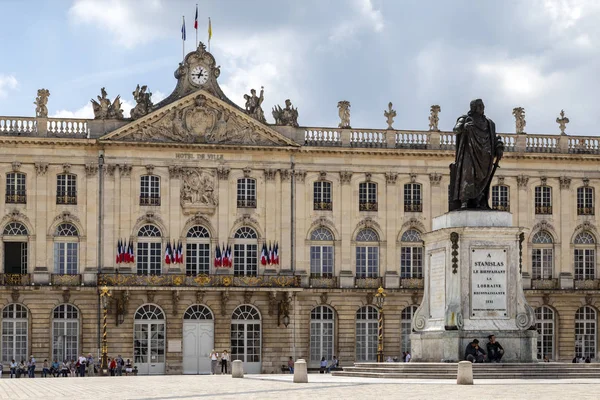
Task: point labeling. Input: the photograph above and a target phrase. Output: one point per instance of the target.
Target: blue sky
(539, 54)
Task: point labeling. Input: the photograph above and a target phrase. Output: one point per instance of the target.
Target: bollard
(465, 373)
(300, 372)
(237, 369)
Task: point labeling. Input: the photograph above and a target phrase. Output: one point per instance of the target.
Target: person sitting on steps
(494, 349)
(474, 353)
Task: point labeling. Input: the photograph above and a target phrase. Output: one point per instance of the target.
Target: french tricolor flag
(196, 19)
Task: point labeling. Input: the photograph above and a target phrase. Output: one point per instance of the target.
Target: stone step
(475, 376)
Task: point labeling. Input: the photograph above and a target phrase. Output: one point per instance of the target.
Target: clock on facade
(199, 75)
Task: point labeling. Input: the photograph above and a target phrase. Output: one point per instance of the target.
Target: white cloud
(130, 22)
(364, 16)
(373, 16)
(7, 82)
(158, 96)
(87, 111)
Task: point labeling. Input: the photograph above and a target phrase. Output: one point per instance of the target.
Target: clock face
(199, 75)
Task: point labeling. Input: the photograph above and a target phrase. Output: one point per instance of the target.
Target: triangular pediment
(199, 118)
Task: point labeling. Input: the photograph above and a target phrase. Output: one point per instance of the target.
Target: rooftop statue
(519, 113)
(104, 109)
(434, 118)
(286, 116)
(478, 153)
(41, 111)
(344, 113)
(390, 115)
(253, 104)
(562, 122)
(144, 103)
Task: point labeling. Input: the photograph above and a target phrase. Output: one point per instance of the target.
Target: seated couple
(476, 354)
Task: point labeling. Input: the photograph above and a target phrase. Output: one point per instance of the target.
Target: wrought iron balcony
(414, 207)
(246, 203)
(586, 284)
(367, 206)
(65, 279)
(363, 282)
(181, 280)
(501, 207)
(15, 279)
(323, 281)
(542, 284)
(543, 210)
(66, 197)
(585, 210)
(323, 205)
(411, 283)
(149, 200)
(16, 197)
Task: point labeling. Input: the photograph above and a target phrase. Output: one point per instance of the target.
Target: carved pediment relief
(199, 118)
(198, 191)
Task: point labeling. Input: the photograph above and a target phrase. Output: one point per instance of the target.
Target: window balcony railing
(501, 207)
(66, 198)
(586, 284)
(182, 280)
(411, 283)
(414, 207)
(65, 279)
(323, 205)
(15, 279)
(323, 281)
(16, 197)
(246, 203)
(149, 200)
(543, 210)
(362, 282)
(585, 210)
(544, 284)
(367, 206)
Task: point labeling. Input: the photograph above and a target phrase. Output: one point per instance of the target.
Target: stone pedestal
(300, 372)
(473, 288)
(237, 369)
(464, 375)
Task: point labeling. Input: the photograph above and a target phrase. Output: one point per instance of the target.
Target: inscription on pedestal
(437, 284)
(488, 284)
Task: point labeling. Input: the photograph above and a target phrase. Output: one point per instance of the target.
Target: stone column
(301, 223)
(390, 271)
(347, 272)
(41, 262)
(285, 255)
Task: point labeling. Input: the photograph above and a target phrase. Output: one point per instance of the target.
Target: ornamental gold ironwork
(202, 280)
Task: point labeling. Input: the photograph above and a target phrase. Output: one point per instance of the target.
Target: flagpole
(182, 38)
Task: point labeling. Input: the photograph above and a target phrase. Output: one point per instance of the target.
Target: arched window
(246, 334)
(149, 259)
(245, 253)
(543, 199)
(367, 254)
(584, 256)
(321, 253)
(66, 249)
(150, 190)
(413, 197)
(66, 189)
(542, 255)
(15, 238)
(585, 332)
(198, 312)
(322, 330)
(149, 339)
(14, 333)
(16, 188)
(367, 196)
(246, 193)
(585, 200)
(411, 255)
(322, 196)
(65, 332)
(197, 251)
(501, 198)
(366, 333)
(544, 323)
(406, 326)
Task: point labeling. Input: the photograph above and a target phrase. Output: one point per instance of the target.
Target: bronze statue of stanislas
(478, 152)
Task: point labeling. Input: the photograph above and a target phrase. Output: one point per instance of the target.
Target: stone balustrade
(31, 126)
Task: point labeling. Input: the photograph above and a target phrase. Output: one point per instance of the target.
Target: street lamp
(104, 295)
(283, 312)
(379, 300)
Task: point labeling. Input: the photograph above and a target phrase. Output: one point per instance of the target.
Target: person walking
(224, 361)
(120, 364)
(112, 366)
(13, 368)
(45, 369)
(31, 366)
(291, 365)
(214, 357)
(90, 365)
(82, 365)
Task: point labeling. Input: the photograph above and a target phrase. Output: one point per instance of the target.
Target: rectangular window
(245, 258)
(367, 262)
(541, 263)
(197, 258)
(367, 196)
(149, 260)
(65, 339)
(246, 193)
(15, 188)
(66, 189)
(500, 198)
(543, 200)
(411, 262)
(149, 190)
(585, 201)
(65, 258)
(322, 196)
(366, 340)
(584, 264)
(412, 198)
(321, 261)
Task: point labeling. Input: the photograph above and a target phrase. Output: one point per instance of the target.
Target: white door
(246, 338)
(149, 340)
(198, 342)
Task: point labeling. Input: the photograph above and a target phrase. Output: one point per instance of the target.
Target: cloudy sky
(539, 54)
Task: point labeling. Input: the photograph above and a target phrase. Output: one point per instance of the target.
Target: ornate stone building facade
(343, 209)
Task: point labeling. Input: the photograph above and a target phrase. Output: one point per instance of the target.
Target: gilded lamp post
(104, 295)
(379, 300)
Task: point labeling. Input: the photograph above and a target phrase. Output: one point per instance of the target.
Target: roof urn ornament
(519, 113)
(434, 118)
(562, 122)
(344, 113)
(41, 111)
(253, 104)
(143, 100)
(390, 115)
(286, 116)
(104, 109)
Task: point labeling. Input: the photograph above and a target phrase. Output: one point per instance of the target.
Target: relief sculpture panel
(198, 192)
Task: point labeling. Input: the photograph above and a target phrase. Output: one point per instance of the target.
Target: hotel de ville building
(211, 228)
